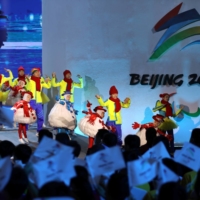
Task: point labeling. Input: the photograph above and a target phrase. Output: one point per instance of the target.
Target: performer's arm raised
(126, 103)
(178, 111)
(8, 78)
(158, 106)
(80, 84)
(46, 83)
(54, 82)
(101, 102)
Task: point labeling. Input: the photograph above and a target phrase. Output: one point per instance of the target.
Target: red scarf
(21, 77)
(69, 83)
(37, 82)
(117, 104)
(26, 108)
(0, 78)
(15, 89)
(168, 108)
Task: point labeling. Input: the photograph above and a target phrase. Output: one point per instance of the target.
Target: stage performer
(165, 109)
(21, 76)
(4, 90)
(92, 122)
(3, 79)
(35, 84)
(158, 120)
(63, 115)
(67, 84)
(5, 82)
(15, 93)
(24, 114)
(114, 106)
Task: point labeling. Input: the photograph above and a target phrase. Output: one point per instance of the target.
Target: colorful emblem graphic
(173, 21)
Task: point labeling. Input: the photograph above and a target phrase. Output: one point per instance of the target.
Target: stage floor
(12, 135)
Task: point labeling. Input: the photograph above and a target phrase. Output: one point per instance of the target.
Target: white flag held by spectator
(105, 161)
(164, 175)
(140, 171)
(156, 152)
(56, 168)
(177, 152)
(47, 148)
(189, 156)
(5, 172)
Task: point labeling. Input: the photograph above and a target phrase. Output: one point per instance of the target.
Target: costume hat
(28, 92)
(33, 70)
(165, 94)
(21, 68)
(99, 108)
(66, 92)
(158, 118)
(113, 90)
(66, 72)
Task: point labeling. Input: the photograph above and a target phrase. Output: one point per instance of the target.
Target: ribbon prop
(195, 114)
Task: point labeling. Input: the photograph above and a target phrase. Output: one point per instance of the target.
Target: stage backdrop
(115, 42)
(20, 35)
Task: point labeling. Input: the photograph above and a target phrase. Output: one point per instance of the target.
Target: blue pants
(118, 130)
(38, 107)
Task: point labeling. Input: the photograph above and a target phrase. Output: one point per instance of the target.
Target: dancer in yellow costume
(4, 94)
(114, 105)
(35, 85)
(4, 79)
(165, 109)
(67, 84)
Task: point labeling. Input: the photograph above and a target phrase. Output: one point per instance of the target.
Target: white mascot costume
(92, 122)
(63, 115)
(24, 114)
(158, 120)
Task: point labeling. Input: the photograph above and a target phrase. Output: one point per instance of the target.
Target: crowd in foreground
(84, 185)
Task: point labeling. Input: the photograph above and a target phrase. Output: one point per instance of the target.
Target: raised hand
(126, 100)
(7, 70)
(88, 104)
(97, 96)
(135, 125)
(27, 77)
(47, 79)
(54, 75)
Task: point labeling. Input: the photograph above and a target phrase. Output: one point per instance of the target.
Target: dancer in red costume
(24, 114)
(15, 93)
(158, 120)
(92, 122)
